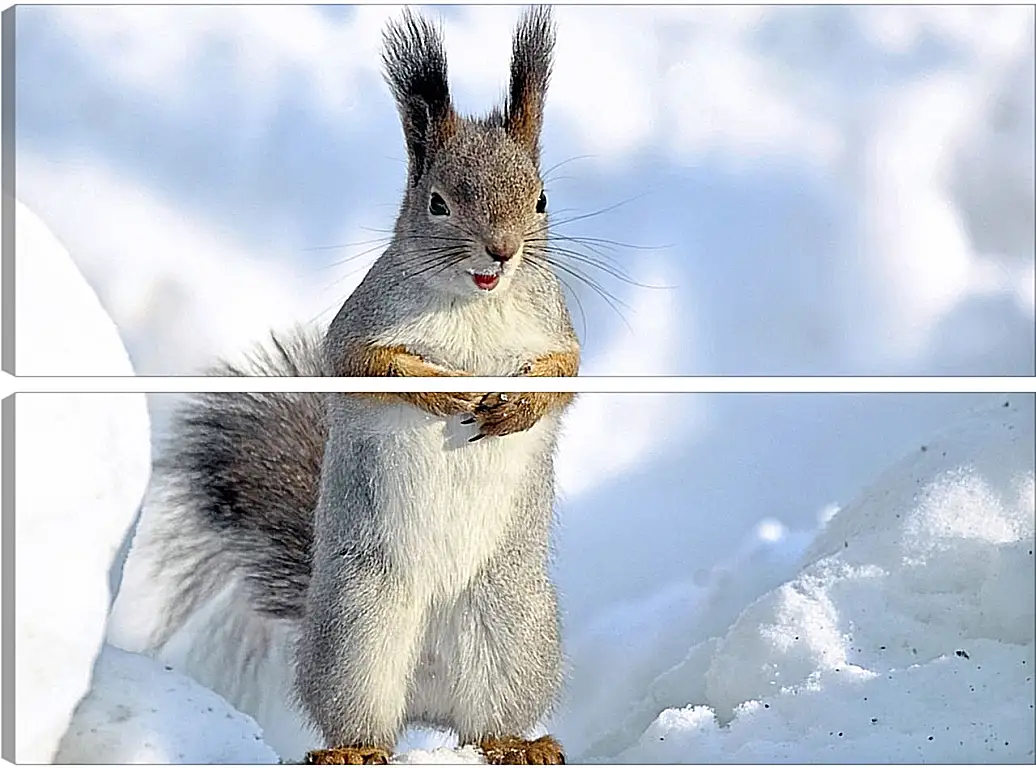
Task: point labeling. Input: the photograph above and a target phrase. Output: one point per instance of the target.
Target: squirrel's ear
(532, 56)
(415, 69)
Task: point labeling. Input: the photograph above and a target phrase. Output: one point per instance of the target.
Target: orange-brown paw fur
(443, 403)
(511, 750)
(348, 756)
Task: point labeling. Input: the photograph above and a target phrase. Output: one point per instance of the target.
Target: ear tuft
(532, 58)
(415, 70)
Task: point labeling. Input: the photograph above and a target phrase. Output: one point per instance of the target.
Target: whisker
(355, 256)
(432, 253)
(346, 276)
(466, 230)
(587, 279)
(379, 243)
(613, 301)
(546, 174)
(557, 211)
(607, 262)
(605, 242)
(575, 295)
(617, 272)
(376, 229)
(437, 268)
(439, 238)
(420, 256)
(549, 242)
(580, 258)
(345, 245)
(444, 261)
(598, 212)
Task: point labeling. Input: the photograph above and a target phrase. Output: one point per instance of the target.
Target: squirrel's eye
(541, 204)
(437, 206)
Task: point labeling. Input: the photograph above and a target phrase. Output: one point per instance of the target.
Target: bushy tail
(216, 577)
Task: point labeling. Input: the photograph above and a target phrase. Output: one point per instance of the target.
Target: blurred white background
(837, 189)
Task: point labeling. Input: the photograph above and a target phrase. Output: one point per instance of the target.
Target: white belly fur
(445, 503)
(494, 337)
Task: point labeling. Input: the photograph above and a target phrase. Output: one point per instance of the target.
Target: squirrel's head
(474, 195)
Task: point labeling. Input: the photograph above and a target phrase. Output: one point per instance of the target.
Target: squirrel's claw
(504, 413)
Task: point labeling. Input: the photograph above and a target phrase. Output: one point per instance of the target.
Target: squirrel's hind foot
(511, 750)
(348, 756)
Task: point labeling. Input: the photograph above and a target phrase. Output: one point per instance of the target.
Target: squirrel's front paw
(504, 413)
(348, 756)
(446, 404)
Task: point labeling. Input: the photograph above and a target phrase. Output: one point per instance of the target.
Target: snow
(49, 287)
(147, 713)
(440, 755)
(906, 637)
(67, 531)
(82, 464)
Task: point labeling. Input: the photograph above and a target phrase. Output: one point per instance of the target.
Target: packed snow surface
(143, 712)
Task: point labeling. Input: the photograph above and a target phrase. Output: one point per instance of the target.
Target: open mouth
(485, 281)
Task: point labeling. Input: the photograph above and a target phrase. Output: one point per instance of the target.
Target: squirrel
(378, 560)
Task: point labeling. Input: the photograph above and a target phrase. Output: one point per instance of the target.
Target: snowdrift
(82, 462)
(82, 465)
(61, 328)
(906, 637)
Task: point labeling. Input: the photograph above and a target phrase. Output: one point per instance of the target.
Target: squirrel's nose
(502, 251)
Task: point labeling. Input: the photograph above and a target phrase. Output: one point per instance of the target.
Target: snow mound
(60, 325)
(82, 463)
(907, 637)
(638, 640)
(141, 711)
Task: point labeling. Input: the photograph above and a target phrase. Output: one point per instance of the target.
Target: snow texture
(147, 713)
(906, 638)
